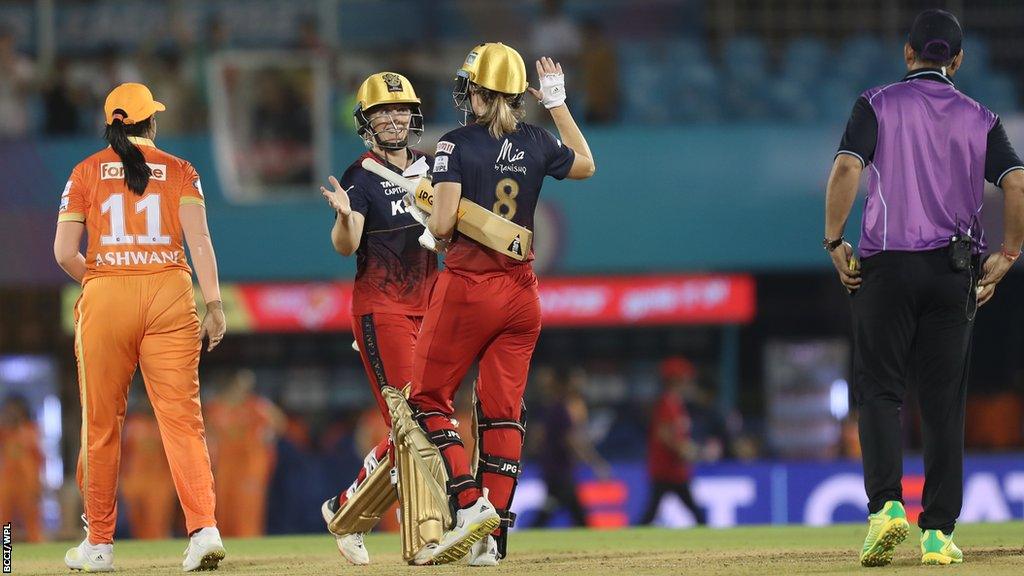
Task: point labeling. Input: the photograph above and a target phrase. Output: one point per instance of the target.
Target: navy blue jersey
(503, 175)
(393, 272)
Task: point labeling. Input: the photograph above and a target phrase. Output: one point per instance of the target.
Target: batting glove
(552, 87)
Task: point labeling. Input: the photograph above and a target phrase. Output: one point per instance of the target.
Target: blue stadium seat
(685, 50)
(861, 59)
(997, 92)
(745, 58)
(804, 59)
(791, 100)
(696, 92)
(976, 51)
(647, 100)
(835, 99)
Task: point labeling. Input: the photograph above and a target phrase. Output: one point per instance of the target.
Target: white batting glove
(552, 83)
(418, 214)
(426, 239)
(552, 87)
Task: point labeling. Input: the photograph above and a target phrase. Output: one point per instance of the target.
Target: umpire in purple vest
(928, 149)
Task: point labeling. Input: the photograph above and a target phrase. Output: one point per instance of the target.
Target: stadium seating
(680, 82)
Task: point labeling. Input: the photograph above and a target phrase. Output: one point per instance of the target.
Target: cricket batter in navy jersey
(485, 305)
(393, 279)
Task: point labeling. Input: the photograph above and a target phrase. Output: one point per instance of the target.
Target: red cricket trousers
(494, 319)
(386, 343)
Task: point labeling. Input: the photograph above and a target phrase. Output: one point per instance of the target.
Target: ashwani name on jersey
(137, 258)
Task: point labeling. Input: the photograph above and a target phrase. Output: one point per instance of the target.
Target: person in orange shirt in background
(138, 205)
(21, 462)
(147, 487)
(243, 429)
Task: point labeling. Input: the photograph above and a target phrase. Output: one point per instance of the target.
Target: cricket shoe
(205, 551)
(471, 524)
(90, 557)
(351, 546)
(886, 529)
(937, 548)
(484, 552)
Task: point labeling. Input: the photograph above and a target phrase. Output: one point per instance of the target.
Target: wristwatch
(830, 245)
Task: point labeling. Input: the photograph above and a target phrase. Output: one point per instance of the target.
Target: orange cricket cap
(135, 99)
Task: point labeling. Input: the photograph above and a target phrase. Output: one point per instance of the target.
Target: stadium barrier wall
(809, 493)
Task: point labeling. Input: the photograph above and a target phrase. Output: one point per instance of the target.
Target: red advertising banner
(648, 300)
(565, 302)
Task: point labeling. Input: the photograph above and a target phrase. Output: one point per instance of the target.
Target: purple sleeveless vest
(928, 172)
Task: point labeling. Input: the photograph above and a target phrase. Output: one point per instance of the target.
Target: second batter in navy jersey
(503, 175)
(394, 273)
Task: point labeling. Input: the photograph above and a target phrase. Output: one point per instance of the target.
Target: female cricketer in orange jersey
(485, 305)
(393, 272)
(135, 202)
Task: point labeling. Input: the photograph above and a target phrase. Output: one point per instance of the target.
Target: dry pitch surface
(990, 549)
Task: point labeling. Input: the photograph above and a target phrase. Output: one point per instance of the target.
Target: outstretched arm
(552, 96)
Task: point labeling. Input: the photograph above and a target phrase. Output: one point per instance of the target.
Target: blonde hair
(500, 116)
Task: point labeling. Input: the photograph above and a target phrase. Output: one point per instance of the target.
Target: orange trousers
(122, 322)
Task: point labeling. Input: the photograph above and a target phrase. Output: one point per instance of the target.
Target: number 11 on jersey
(118, 229)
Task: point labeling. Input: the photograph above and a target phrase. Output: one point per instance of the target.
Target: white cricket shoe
(205, 551)
(351, 546)
(484, 552)
(472, 523)
(90, 557)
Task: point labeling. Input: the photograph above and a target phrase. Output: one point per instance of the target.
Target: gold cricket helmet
(381, 89)
(494, 66)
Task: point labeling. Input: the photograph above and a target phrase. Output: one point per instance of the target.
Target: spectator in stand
(61, 102)
(18, 75)
(557, 36)
(600, 74)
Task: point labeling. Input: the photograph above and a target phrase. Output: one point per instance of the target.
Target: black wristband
(830, 245)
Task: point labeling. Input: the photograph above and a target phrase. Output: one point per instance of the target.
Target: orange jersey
(241, 432)
(21, 458)
(131, 234)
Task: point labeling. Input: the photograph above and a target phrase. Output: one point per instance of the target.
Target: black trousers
(681, 489)
(911, 326)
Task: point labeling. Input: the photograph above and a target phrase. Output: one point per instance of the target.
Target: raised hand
(338, 198)
(552, 83)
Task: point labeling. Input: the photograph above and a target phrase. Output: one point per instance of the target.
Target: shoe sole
(210, 562)
(938, 559)
(884, 548)
(460, 548)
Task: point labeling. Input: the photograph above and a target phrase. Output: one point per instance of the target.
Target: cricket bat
(473, 220)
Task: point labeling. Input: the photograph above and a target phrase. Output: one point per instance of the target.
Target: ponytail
(136, 171)
(502, 113)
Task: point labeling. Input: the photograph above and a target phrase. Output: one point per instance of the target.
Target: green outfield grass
(989, 549)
